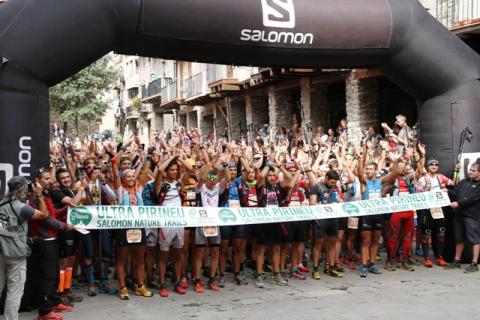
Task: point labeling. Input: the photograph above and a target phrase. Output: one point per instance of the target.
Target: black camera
(30, 187)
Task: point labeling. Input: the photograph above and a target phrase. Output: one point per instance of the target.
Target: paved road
(423, 294)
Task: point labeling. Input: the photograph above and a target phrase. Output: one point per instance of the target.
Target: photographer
(466, 196)
(43, 265)
(14, 217)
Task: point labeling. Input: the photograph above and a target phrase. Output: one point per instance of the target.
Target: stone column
(256, 110)
(314, 100)
(280, 109)
(362, 106)
(238, 118)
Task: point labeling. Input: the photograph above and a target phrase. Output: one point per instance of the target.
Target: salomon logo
(278, 13)
(6, 172)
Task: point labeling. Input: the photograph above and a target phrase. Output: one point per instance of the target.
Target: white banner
(126, 217)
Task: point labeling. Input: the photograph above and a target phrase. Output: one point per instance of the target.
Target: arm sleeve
(53, 223)
(26, 213)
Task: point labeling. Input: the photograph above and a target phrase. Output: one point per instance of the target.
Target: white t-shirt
(210, 197)
(172, 198)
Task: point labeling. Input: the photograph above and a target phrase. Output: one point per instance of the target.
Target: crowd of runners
(261, 169)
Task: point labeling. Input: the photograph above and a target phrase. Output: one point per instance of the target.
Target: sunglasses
(434, 165)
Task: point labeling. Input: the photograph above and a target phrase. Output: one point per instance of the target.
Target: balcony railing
(154, 87)
(195, 86)
(458, 13)
(131, 113)
(146, 108)
(169, 93)
(216, 73)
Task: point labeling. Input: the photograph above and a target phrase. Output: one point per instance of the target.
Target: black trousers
(42, 277)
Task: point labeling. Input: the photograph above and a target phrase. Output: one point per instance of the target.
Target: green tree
(82, 96)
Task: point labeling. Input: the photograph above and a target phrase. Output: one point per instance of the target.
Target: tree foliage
(82, 96)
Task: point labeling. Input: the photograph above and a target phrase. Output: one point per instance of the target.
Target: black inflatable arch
(43, 42)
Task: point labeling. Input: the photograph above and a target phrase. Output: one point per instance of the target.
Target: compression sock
(426, 250)
(89, 275)
(105, 265)
(440, 248)
(61, 281)
(68, 278)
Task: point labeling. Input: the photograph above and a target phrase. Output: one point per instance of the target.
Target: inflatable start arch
(44, 42)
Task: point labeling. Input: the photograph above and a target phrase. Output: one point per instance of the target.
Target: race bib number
(353, 223)
(373, 195)
(191, 195)
(234, 203)
(403, 193)
(295, 204)
(210, 231)
(134, 236)
(252, 200)
(437, 213)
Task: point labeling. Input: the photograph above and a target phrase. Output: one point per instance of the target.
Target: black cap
(17, 182)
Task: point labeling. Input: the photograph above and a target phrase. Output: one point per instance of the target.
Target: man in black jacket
(466, 222)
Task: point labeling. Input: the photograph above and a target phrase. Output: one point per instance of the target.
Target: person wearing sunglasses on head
(433, 220)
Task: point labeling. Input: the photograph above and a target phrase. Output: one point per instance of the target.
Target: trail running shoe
(178, 288)
(259, 282)
(473, 267)
(297, 275)
(441, 262)
(60, 308)
(278, 280)
(303, 268)
(389, 266)
(69, 298)
(338, 267)
(240, 280)
(107, 288)
(428, 263)
(335, 273)
(163, 291)
(284, 275)
(373, 268)
(316, 275)
(213, 285)
(184, 283)
(123, 294)
(221, 281)
(363, 271)
(51, 316)
(198, 287)
(454, 265)
(143, 292)
(91, 292)
(406, 267)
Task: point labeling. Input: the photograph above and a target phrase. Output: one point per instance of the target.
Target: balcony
(221, 79)
(195, 86)
(169, 95)
(146, 108)
(459, 14)
(131, 113)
